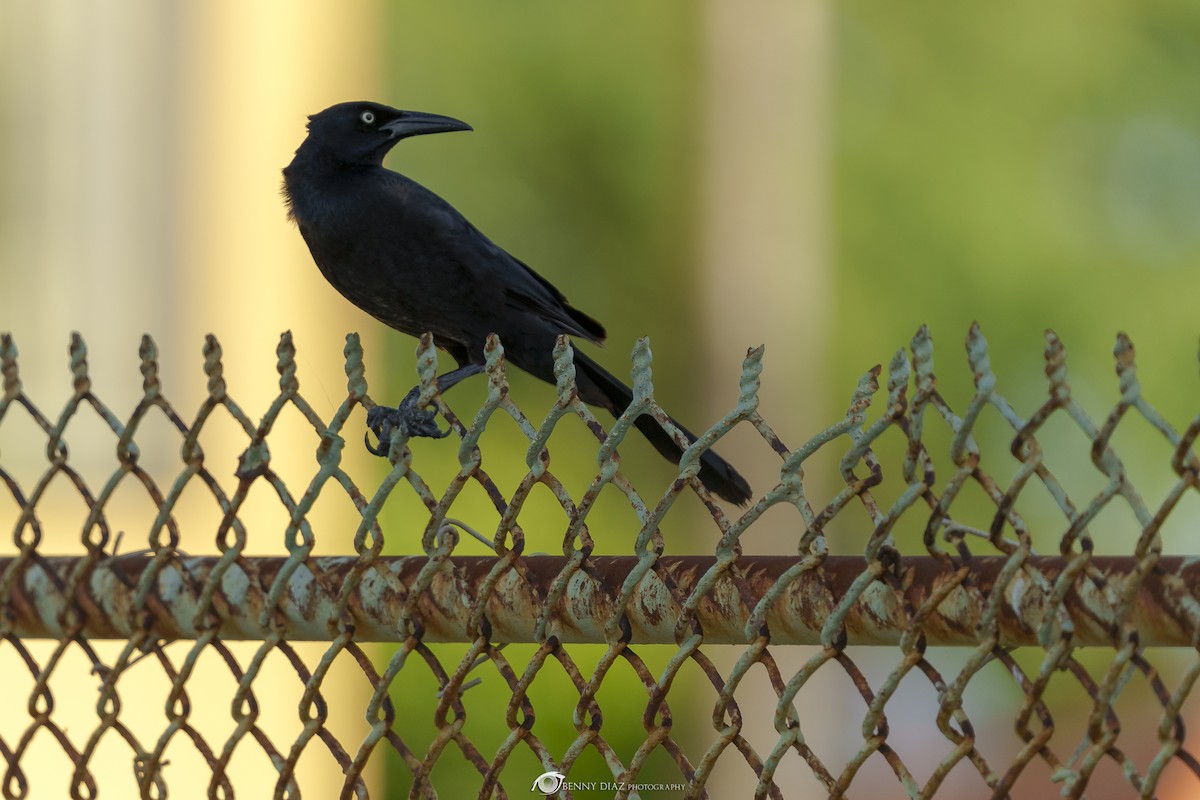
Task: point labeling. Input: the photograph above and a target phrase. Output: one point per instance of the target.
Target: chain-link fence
(997, 670)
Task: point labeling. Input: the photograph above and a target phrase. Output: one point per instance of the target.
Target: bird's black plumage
(408, 258)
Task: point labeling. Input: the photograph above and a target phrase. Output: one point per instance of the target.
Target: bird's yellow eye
(368, 117)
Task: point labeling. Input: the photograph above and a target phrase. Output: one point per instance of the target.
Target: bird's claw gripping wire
(408, 417)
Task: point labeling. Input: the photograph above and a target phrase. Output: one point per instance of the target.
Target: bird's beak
(416, 123)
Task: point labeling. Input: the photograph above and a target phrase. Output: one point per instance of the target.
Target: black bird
(408, 258)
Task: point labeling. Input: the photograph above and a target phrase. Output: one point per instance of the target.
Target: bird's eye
(368, 117)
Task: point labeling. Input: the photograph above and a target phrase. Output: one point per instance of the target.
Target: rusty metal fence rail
(946, 555)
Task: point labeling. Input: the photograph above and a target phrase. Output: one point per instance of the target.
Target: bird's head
(363, 132)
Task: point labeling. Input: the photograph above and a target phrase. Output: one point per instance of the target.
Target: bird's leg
(409, 417)
(448, 380)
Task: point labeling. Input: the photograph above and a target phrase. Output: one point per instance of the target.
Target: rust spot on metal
(596, 429)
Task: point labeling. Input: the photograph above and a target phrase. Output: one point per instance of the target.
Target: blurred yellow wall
(766, 260)
(144, 142)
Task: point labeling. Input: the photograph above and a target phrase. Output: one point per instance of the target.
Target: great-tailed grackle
(408, 258)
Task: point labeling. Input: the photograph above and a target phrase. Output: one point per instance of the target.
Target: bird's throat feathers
(312, 182)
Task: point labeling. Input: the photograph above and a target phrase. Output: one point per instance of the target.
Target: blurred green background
(820, 179)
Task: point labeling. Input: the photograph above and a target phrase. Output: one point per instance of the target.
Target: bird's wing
(485, 264)
(552, 303)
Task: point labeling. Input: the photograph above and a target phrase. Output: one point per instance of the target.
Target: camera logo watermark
(548, 783)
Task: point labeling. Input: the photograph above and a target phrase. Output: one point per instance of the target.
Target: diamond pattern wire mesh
(981, 588)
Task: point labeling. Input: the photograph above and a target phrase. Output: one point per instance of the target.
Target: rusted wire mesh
(944, 556)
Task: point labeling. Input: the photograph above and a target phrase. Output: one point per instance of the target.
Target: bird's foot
(408, 417)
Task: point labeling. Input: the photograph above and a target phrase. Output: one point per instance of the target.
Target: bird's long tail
(600, 388)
